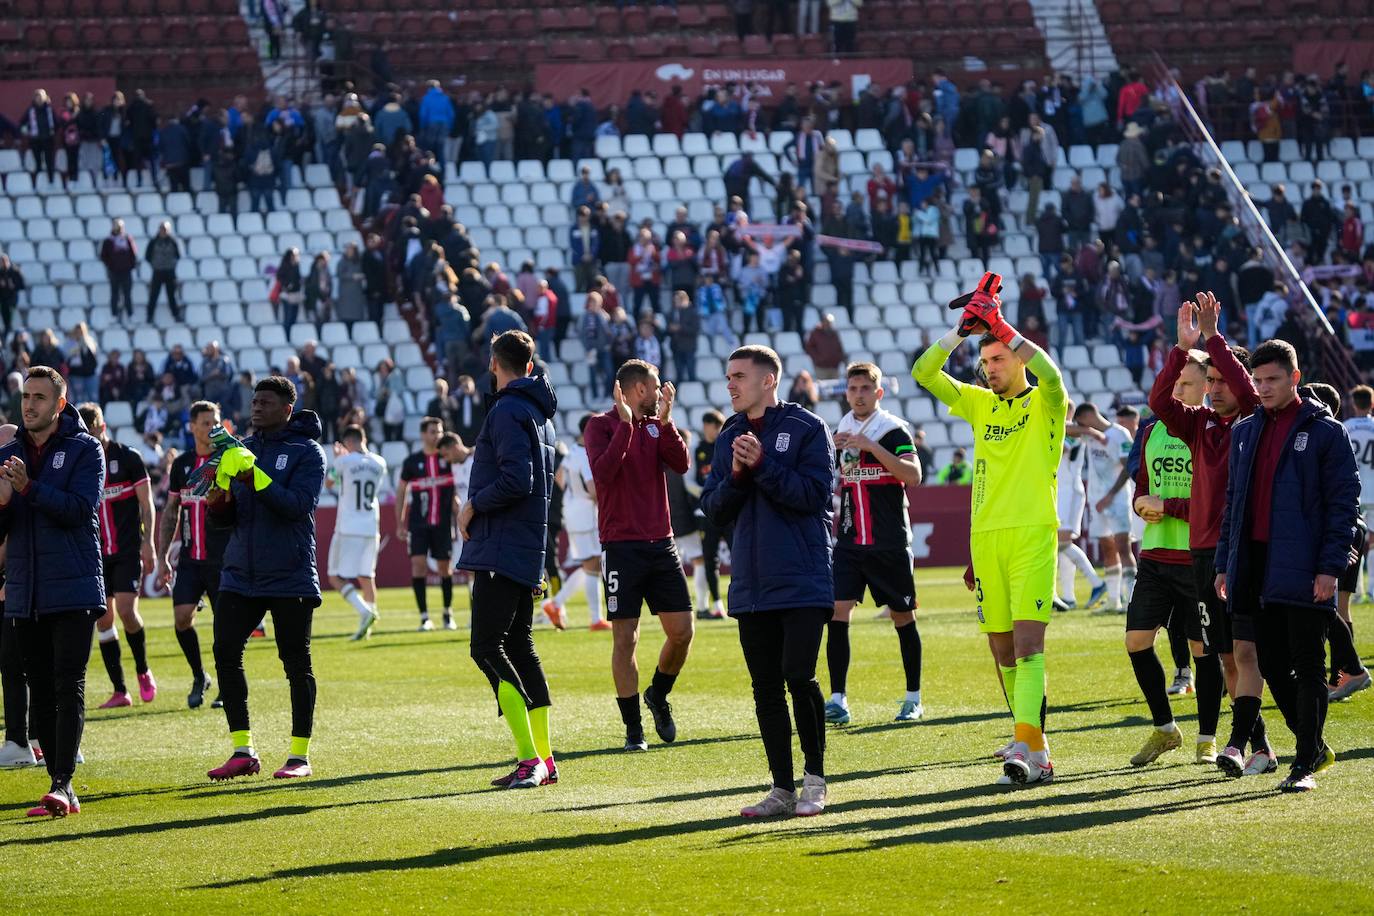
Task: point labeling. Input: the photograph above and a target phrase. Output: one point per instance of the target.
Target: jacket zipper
(1283, 451)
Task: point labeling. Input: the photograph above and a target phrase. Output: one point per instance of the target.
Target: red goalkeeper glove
(983, 306)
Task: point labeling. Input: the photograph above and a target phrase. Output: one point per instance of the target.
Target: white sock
(1167, 727)
(1369, 573)
(1081, 562)
(351, 594)
(110, 635)
(1040, 758)
(1203, 739)
(699, 581)
(592, 588)
(570, 585)
(839, 699)
(1065, 579)
(1128, 582)
(913, 696)
(1113, 585)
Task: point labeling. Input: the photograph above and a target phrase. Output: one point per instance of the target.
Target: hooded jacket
(780, 510)
(52, 532)
(271, 550)
(1315, 502)
(512, 483)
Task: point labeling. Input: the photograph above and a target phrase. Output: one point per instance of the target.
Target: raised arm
(929, 370)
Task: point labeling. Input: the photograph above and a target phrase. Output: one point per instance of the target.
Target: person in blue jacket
(504, 525)
(51, 476)
(1291, 507)
(436, 120)
(266, 492)
(772, 479)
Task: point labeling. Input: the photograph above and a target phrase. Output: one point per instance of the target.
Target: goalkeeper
(1018, 432)
(265, 492)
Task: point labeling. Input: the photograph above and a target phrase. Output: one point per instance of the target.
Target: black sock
(1259, 739)
(1209, 684)
(662, 684)
(109, 653)
(138, 646)
(446, 590)
(1149, 674)
(421, 599)
(909, 640)
(837, 654)
(1044, 711)
(1343, 654)
(1244, 720)
(190, 647)
(629, 714)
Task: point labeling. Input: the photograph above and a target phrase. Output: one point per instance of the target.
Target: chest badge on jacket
(58, 460)
(114, 466)
(1300, 442)
(281, 462)
(783, 441)
(652, 430)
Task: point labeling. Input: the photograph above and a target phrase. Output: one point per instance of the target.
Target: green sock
(242, 741)
(539, 724)
(1009, 685)
(518, 718)
(1027, 699)
(300, 747)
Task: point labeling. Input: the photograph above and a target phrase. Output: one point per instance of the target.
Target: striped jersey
(200, 543)
(429, 484)
(873, 505)
(121, 530)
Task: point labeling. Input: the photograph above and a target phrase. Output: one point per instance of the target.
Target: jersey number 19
(365, 493)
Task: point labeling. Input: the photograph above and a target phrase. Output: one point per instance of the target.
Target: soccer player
(1207, 432)
(425, 506)
(359, 478)
(1019, 429)
(1073, 498)
(1348, 673)
(772, 478)
(684, 499)
(574, 475)
(1165, 591)
(1111, 522)
(200, 558)
(503, 527)
(453, 450)
(1360, 428)
(629, 447)
(706, 574)
(266, 492)
(877, 459)
(1291, 504)
(127, 526)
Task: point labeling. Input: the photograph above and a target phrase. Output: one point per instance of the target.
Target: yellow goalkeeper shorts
(1013, 575)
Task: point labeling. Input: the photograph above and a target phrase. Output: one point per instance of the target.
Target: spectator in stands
(647, 346)
(684, 332)
(804, 391)
(391, 406)
(142, 140)
(1079, 211)
(1050, 229)
(436, 119)
(1314, 121)
(844, 22)
(1072, 296)
(350, 277)
(646, 276)
(41, 130)
(980, 225)
(14, 396)
(240, 400)
(471, 409)
(319, 290)
(988, 178)
(1265, 122)
(153, 416)
(226, 182)
(925, 231)
(375, 286)
(443, 405)
(354, 127)
(216, 373)
(790, 291)
(119, 254)
(958, 471)
(90, 154)
(261, 162)
(681, 262)
(594, 331)
(392, 120)
(1107, 208)
(623, 335)
(114, 380)
(174, 145)
(825, 348)
(11, 285)
(79, 352)
(70, 133)
(1320, 219)
(141, 376)
(162, 256)
(584, 192)
(289, 288)
(584, 249)
(179, 366)
(1352, 234)
(740, 173)
(114, 132)
(1133, 159)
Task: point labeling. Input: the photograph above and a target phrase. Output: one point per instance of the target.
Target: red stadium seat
(701, 46)
(552, 21)
(578, 18)
(634, 22)
(663, 17)
(788, 45)
(757, 46)
(691, 17)
(563, 49)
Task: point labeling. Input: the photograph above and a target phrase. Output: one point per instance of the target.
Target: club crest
(783, 441)
(612, 603)
(59, 459)
(1300, 442)
(281, 462)
(653, 431)
(114, 466)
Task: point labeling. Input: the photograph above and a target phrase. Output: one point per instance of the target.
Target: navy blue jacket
(781, 512)
(271, 550)
(512, 482)
(52, 532)
(1314, 507)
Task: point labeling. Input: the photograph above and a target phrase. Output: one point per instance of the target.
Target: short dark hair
(200, 407)
(1280, 352)
(864, 370)
(284, 388)
(1362, 396)
(1328, 396)
(1084, 408)
(633, 371)
(582, 422)
(760, 355)
(448, 440)
(427, 422)
(513, 351)
(52, 375)
(1126, 410)
(352, 433)
(714, 417)
(91, 414)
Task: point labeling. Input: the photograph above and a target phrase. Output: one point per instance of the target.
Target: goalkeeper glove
(983, 306)
(232, 463)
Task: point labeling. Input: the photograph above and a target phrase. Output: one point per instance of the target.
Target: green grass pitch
(400, 818)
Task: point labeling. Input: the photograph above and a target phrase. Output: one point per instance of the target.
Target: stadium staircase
(1075, 40)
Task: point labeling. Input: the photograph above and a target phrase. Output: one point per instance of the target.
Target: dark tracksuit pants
(503, 636)
(13, 683)
(780, 651)
(236, 616)
(55, 649)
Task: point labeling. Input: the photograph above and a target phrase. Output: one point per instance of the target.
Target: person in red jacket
(119, 254)
(630, 447)
(1207, 430)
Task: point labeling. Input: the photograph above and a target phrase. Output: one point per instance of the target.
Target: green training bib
(1169, 469)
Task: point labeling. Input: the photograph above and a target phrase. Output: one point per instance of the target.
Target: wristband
(1016, 342)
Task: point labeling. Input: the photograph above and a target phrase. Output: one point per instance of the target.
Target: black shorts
(195, 580)
(433, 541)
(885, 573)
(123, 574)
(635, 572)
(1211, 622)
(1161, 591)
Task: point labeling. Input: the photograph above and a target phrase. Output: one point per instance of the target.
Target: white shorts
(1071, 504)
(1137, 526)
(689, 546)
(353, 556)
(1115, 520)
(583, 546)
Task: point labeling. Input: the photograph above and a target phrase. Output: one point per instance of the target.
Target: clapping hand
(622, 408)
(748, 451)
(1188, 331)
(667, 394)
(1209, 314)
